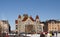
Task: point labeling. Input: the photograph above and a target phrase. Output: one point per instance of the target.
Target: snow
(35, 35)
(38, 35)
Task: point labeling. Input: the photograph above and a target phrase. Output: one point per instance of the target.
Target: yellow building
(27, 24)
(53, 25)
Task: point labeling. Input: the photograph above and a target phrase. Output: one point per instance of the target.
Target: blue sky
(46, 9)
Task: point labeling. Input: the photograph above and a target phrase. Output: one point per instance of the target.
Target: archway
(29, 28)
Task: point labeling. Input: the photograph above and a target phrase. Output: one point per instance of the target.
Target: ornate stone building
(5, 26)
(52, 25)
(27, 24)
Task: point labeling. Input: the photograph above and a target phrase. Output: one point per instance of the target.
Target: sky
(45, 9)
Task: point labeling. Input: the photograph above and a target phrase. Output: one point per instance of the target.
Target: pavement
(33, 35)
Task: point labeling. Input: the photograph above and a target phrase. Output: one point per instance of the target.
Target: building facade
(5, 26)
(52, 25)
(27, 24)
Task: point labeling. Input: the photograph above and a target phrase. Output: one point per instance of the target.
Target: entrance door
(28, 28)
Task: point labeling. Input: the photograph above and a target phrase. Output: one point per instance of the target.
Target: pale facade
(27, 24)
(54, 25)
(5, 26)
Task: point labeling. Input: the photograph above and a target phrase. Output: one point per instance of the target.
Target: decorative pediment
(25, 18)
(29, 21)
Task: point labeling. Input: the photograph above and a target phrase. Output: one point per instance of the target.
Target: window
(39, 28)
(16, 27)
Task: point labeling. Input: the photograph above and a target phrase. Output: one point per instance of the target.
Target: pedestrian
(56, 34)
(14, 36)
(45, 34)
(42, 35)
(6, 35)
(50, 34)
